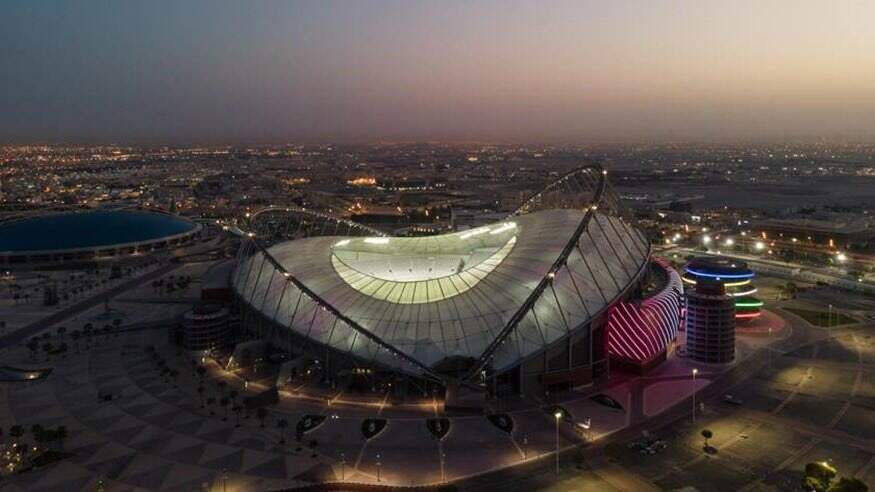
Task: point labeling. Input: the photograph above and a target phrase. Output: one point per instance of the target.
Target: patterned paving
(148, 437)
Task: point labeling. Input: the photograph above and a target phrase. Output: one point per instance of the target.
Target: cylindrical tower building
(710, 323)
(734, 275)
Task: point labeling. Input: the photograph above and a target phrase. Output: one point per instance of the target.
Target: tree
(224, 404)
(281, 425)
(201, 372)
(61, 434)
(38, 433)
(47, 348)
(174, 375)
(222, 385)
(846, 484)
(707, 434)
(818, 476)
(200, 392)
(76, 335)
(16, 431)
(261, 413)
(237, 409)
(33, 345)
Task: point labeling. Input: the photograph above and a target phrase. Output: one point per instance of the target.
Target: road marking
(795, 391)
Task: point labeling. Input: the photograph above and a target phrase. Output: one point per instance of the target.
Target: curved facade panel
(642, 331)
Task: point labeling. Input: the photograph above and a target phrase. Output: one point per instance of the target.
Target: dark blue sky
(259, 71)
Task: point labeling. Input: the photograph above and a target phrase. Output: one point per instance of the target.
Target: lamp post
(443, 467)
(695, 371)
(558, 416)
(224, 480)
(342, 467)
(378, 467)
(526, 446)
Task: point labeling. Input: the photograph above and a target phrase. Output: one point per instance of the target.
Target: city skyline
(409, 71)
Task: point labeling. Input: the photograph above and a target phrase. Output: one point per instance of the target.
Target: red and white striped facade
(640, 331)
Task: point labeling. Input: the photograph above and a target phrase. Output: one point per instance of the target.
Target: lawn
(822, 318)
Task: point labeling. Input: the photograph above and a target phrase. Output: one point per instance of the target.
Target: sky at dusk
(501, 70)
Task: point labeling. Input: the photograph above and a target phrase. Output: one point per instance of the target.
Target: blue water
(88, 229)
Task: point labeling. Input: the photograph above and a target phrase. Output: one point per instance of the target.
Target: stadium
(522, 306)
(57, 236)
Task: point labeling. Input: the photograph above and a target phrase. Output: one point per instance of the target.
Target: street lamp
(378, 467)
(342, 467)
(558, 416)
(695, 371)
(443, 467)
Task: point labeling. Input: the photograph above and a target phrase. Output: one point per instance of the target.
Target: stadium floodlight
(377, 240)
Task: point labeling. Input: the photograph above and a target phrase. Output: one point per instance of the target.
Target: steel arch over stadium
(497, 297)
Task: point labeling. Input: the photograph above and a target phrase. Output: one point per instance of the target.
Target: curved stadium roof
(409, 303)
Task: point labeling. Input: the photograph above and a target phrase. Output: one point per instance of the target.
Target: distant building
(835, 232)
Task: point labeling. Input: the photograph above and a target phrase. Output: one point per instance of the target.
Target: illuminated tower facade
(736, 279)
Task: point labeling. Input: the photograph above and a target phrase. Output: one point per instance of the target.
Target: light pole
(695, 371)
(342, 467)
(769, 348)
(378, 467)
(224, 480)
(558, 416)
(443, 467)
(526, 446)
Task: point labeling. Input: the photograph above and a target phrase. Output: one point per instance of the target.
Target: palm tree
(233, 394)
(174, 375)
(224, 404)
(76, 335)
(38, 432)
(61, 434)
(707, 434)
(16, 431)
(33, 345)
(261, 413)
(222, 385)
(281, 425)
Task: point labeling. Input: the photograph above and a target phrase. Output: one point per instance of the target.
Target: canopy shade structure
(496, 294)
